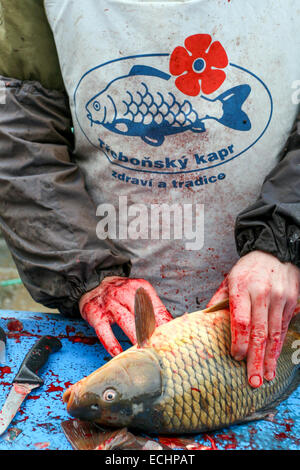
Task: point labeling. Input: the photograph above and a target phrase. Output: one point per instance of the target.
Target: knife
(2, 347)
(27, 379)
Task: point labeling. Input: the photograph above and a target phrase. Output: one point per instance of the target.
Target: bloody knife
(2, 347)
(27, 378)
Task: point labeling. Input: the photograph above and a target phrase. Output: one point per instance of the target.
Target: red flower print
(199, 62)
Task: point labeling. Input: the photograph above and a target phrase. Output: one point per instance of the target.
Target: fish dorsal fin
(219, 306)
(146, 70)
(144, 316)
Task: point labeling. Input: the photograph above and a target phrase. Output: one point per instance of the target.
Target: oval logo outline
(113, 162)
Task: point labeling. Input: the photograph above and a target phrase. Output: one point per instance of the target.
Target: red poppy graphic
(198, 65)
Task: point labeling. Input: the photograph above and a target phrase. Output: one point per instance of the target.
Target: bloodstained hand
(263, 294)
(113, 302)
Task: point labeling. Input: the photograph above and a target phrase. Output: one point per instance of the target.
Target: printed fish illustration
(180, 378)
(153, 115)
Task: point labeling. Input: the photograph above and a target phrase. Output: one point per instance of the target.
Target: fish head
(97, 109)
(120, 391)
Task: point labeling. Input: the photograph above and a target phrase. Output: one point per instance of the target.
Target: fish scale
(144, 108)
(215, 389)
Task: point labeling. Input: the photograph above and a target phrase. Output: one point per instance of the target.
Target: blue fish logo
(152, 115)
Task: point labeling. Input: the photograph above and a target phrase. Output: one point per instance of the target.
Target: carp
(180, 377)
(151, 113)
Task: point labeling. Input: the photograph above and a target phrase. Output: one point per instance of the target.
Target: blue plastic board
(41, 414)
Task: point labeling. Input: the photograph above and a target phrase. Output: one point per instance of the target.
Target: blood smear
(42, 445)
(14, 325)
(4, 370)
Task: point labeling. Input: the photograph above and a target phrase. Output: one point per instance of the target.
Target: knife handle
(2, 335)
(35, 359)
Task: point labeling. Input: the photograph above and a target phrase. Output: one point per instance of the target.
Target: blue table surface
(41, 414)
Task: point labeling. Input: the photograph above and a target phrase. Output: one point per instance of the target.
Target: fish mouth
(78, 404)
(90, 118)
(68, 397)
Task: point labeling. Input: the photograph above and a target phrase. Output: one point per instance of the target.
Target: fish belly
(203, 387)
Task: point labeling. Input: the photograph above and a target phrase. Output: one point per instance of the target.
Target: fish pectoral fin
(121, 127)
(88, 436)
(144, 316)
(83, 435)
(155, 142)
(198, 126)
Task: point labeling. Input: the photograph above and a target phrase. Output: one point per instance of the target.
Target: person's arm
(49, 220)
(46, 214)
(263, 286)
(272, 223)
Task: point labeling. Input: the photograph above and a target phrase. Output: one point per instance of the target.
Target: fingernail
(270, 376)
(255, 381)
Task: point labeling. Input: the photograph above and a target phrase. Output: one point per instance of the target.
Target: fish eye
(109, 394)
(96, 106)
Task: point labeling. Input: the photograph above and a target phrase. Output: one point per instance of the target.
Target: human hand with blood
(263, 294)
(113, 302)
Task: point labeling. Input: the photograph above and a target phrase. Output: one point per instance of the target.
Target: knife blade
(2, 347)
(27, 379)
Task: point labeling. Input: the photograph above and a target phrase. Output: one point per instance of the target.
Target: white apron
(180, 107)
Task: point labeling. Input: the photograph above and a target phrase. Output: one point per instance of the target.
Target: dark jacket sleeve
(272, 223)
(46, 214)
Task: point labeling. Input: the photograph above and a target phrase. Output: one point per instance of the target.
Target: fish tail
(232, 101)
